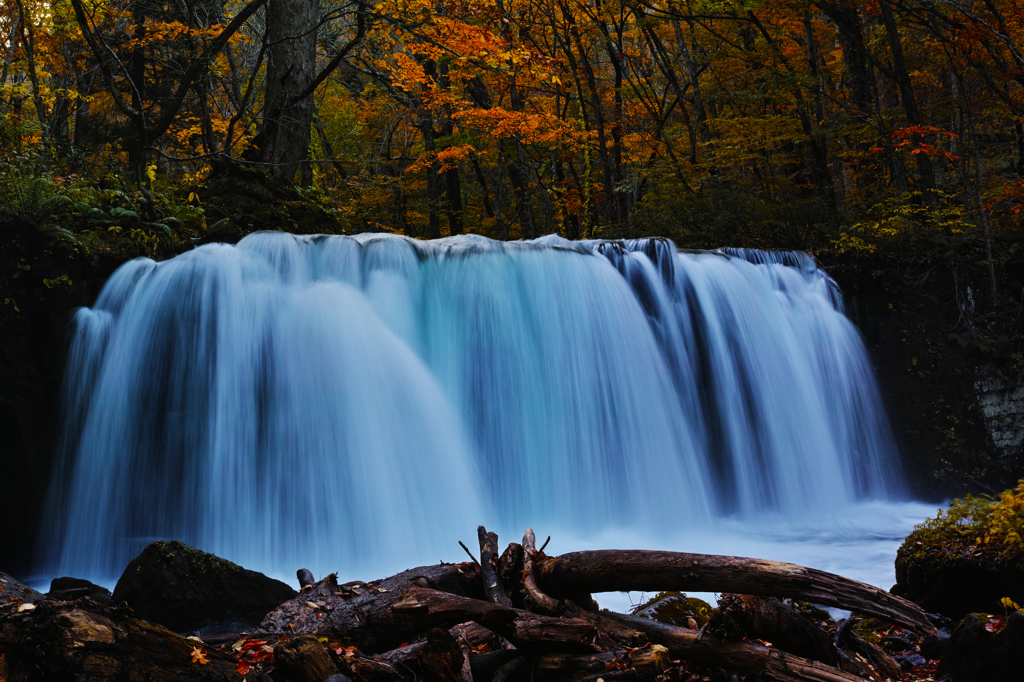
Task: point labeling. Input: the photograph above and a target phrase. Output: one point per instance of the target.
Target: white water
(360, 404)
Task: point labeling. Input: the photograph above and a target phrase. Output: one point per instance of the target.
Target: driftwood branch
(640, 570)
(493, 586)
(538, 600)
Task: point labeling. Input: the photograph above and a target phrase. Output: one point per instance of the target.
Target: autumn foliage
(517, 118)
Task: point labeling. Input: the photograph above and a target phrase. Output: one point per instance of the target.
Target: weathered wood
(640, 570)
(486, 666)
(611, 634)
(648, 662)
(362, 613)
(362, 668)
(471, 633)
(441, 659)
(872, 653)
(746, 616)
(535, 598)
(510, 570)
(527, 631)
(747, 657)
(493, 586)
(303, 659)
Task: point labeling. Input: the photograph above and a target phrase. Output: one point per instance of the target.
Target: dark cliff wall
(948, 356)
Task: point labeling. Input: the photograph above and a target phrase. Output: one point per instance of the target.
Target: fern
(34, 199)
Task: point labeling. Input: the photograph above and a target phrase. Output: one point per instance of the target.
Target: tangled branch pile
(520, 615)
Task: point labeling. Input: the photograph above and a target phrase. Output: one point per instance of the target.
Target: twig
(844, 625)
(469, 553)
(545, 544)
(541, 602)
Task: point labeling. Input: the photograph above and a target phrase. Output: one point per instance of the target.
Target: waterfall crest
(345, 401)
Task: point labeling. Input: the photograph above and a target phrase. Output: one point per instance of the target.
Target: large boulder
(978, 651)
(187, 590)
(966, 559)
(956, 585)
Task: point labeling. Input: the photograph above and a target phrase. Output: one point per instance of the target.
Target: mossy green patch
(675, 608)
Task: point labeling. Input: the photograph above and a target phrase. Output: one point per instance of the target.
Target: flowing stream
(359, 404)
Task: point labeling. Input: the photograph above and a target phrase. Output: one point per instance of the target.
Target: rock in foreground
(979, 652)
(187, 590)
(70, 589)
(14, 593)
(966, 559)
(84, 640)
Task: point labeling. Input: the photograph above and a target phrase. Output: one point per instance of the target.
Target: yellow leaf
(198, 656)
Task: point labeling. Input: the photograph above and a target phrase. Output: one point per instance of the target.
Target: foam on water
(358, 404)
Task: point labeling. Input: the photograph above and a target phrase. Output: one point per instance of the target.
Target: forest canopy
(782, 123)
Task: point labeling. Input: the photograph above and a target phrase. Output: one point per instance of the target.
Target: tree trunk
(899, 65)
(283, 141)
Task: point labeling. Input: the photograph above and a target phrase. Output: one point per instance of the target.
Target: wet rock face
(973, 654)
(187, 590)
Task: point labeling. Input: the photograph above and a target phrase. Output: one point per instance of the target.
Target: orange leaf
(198, 656)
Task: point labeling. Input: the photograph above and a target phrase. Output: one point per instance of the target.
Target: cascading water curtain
(342, 400)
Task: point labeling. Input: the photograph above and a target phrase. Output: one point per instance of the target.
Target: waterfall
(353, 401)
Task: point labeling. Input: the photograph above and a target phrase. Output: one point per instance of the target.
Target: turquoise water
(359, 404)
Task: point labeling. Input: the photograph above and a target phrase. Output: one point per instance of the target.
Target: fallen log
(641, 570)
(869, 653)
(747, 657)
(527, 631)
(470, 633)
(362, 613)
(741, 616)
(647, 663)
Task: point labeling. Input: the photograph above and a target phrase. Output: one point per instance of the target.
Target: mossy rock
(975, 653)
(186, 590)
(964, 560)
(675, 608)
